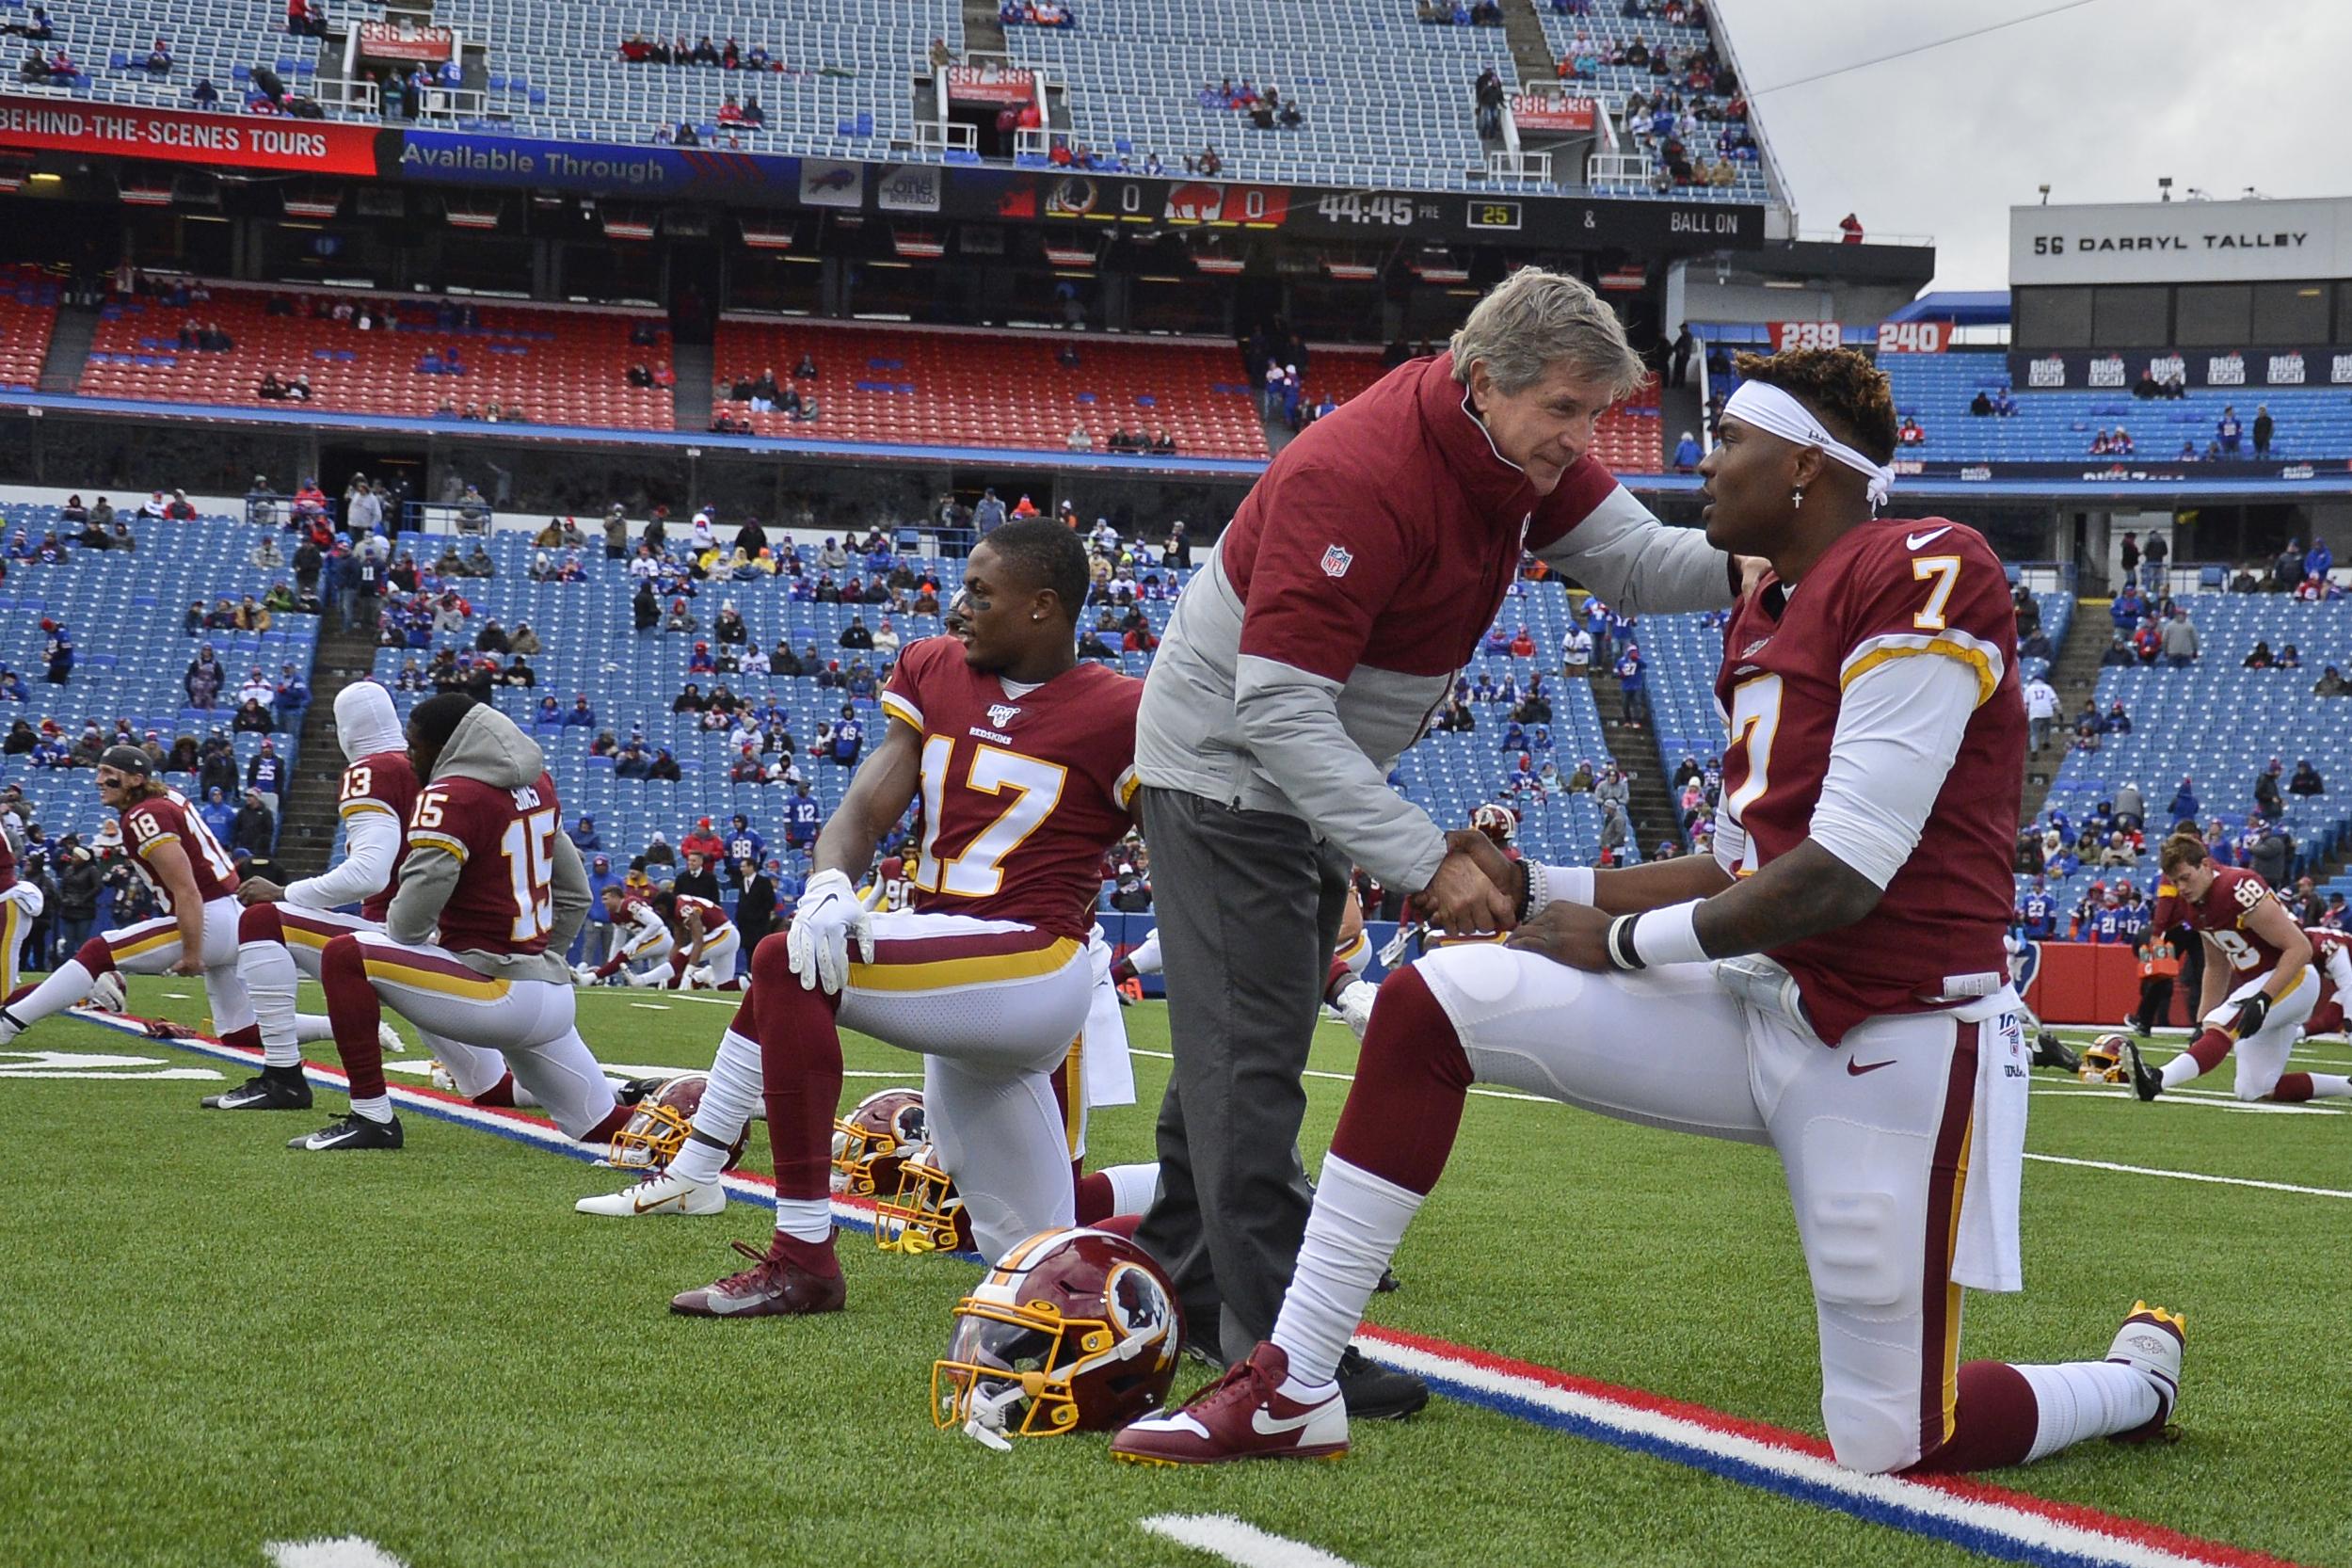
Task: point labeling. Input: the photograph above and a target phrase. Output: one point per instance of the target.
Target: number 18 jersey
(168, 818)
(1021, 792)
(1885, 590)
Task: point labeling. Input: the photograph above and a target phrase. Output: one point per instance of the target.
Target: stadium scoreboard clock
(1493, 214)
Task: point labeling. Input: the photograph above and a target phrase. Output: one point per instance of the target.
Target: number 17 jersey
(1021, 791)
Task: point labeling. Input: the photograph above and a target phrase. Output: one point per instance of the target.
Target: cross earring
(1797, 498)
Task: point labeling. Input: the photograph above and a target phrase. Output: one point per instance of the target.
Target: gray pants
(1249, 908)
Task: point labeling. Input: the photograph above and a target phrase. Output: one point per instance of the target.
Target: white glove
(1355, 1004)
(828, 915)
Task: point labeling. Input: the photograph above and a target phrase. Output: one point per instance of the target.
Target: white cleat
(2149, 1343)
(107, 993)
(388, 1039)
(657, 1195)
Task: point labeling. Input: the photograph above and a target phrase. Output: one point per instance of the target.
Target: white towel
(1109, 1072)
(1986, 1256)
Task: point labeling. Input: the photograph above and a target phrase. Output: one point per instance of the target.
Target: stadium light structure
(2045, 195)
(2163, 187)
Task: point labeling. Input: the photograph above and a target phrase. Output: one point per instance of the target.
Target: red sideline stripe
(2074, 1514)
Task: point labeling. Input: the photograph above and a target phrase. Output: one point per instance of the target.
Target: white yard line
(2190, 1175)
(1239, 1542)
(345, 1551)
(2172, 1099)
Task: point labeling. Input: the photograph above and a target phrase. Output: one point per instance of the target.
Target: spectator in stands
(1632, 687)
(664, 767)
(2227, 430)
(205, 677)
(253, 831)
(2264, 427)
(681, 617)
(2119, 654)
(1911, 433)
(2290, 657)
(2041, 710)
(2267, 799)
(2180, 638)
(2306, 781)
(2331, 683)
(1981, 404)
(2260, 659)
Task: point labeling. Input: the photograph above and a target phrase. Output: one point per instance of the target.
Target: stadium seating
(560, 365)
(939, 386)
(631, 678)
(28, 314)
(1387, 101)
(122, 610)
(2220, 724)
(2057, 426)
(1613, 83)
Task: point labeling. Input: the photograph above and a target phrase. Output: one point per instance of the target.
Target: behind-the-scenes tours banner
(177, 136)
(2222, 369)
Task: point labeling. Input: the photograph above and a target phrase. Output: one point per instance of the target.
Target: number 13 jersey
(1021, 792)
(1884, 591)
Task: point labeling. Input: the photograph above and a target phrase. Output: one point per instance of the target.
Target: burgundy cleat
(1242, 1414)
(773, 1286)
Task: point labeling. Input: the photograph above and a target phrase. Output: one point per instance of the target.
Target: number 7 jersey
(1884, 591)
(1021, 792)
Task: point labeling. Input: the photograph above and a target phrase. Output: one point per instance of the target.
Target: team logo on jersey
(1336, 561)
(1753, 648)
(1001, 715)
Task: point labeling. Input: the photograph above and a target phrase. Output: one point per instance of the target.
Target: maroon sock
(248, 1038)
(1994, 1422)
(800, 1054)
(2209, 1049)
(499, 1095)
(260, 923)
(355, 1011)
(22, 992)
(677, 972)
(816, 1257)
(746, 1019)
(1411, 1081)
(1336, 980)
(2292, 1087)
(94, 955)
(1120, 1225)
(614, 1121)
(1097, 1197)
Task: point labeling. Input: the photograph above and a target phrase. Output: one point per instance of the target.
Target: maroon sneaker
(1240, 1415)
(775, 1285)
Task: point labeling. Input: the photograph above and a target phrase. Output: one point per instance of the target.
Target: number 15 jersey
(1885, 591)
(1021, 791)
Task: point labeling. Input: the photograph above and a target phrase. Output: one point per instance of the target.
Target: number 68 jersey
(1886, 591)
(1021, 790)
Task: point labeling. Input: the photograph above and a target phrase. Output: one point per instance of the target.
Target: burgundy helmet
(870, 1142)
(657, 1128)
(1074, 1330)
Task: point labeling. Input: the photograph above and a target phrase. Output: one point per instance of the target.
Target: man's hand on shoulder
(1752, 569)
(258, 889)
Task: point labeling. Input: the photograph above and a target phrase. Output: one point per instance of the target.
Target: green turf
(211, 1342)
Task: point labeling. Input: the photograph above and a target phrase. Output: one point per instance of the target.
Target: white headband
(1768, 407)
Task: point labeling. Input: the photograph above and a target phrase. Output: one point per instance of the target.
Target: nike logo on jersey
(1855, 1069)
(1917, 542)
(1267, 1424)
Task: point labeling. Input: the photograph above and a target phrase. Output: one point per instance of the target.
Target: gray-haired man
(1354, 580)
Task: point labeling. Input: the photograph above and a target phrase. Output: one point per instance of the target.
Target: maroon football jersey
(504, 842)
(2234, 896)
(168, 818)
(713, 916)
(2326, 940)
(1888, 589)
(8, 864)
(381, 781)
(1020, 793)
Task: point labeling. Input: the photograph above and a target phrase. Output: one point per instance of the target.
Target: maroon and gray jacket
(1353, 584)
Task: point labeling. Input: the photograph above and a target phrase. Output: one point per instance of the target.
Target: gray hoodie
(488, 746)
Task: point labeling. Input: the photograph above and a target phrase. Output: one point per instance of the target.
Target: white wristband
(1669, 935)
(1549, 885)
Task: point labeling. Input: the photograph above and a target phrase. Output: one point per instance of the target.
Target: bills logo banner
(826, 183)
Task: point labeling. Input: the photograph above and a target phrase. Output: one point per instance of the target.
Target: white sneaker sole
(696, 1202)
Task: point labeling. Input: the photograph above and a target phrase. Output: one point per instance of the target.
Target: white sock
(698, 1163)
(2180, 1070)
(375, 1108)
(1133, 1187)
(2078, 1400)
(728, 1101)
(805, 1219)
(270, 977)
(70, 984)
(1145, 959)
(2330, 1086)
(308, 1027)
(1357, 1221)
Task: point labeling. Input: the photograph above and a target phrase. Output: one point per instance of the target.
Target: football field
(213, 1346)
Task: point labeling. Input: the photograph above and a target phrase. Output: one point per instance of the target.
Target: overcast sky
(2096, 99)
